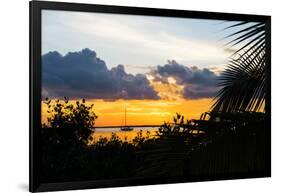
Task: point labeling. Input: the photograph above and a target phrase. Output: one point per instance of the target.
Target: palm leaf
(242, 84)
(243, 81)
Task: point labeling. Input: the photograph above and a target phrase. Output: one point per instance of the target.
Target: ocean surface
(124, 135)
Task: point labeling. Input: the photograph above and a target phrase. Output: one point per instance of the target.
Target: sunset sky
(153, 66)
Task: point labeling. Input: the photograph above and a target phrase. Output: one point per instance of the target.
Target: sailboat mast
(125, 127)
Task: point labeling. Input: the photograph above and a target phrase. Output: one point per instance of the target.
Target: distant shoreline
(119, 126)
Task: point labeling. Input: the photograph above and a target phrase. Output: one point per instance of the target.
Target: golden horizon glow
(142, 112)
(145, 111)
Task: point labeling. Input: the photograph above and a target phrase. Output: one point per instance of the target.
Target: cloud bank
(84, 75)
(198, 83)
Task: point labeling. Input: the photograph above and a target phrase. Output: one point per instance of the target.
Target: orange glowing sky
(146, 112)
(143, 112)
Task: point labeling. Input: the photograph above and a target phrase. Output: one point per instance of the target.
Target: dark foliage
(68, 121)
(218, 143)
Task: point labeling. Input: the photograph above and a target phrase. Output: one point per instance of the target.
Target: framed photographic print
(124, 96)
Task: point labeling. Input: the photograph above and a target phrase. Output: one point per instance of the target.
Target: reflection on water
(123, 135)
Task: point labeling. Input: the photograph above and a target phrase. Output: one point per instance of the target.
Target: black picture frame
(35, 91)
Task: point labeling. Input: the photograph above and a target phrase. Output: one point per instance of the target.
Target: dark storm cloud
(198, 83)
(83, 75)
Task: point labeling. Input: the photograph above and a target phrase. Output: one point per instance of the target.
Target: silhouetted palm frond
(243, 81)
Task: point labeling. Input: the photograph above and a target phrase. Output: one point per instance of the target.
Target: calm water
(123, 135)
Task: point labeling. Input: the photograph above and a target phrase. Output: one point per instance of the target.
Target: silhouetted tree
(70, 121)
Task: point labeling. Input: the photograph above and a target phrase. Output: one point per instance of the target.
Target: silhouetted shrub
(70, 121)
(181, 148)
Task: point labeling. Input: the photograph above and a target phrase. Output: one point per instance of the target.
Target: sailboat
(125, 127)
